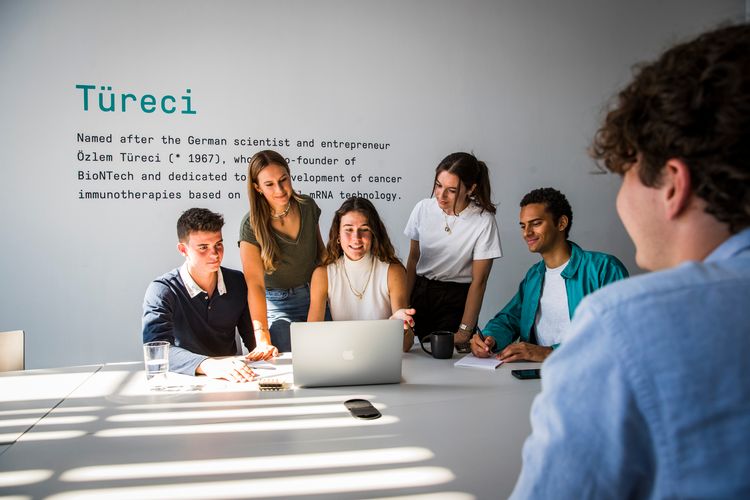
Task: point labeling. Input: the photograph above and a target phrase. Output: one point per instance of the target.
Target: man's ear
(562, 223)
(676, 187)
(182, 249)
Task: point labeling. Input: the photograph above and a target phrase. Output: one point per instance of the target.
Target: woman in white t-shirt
(454, 239)
(361, 277)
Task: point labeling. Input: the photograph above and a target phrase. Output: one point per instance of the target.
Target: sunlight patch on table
(264, 425)
(45, 436)
(319, 484)
(43, 411)
(441, 495)
(24, 477)
(104, 384)
(18, 422)
(249, 465)
(284, 411)
(292, 401)
(26, 387)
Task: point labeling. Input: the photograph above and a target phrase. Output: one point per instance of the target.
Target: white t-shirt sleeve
(415, 221)
(487, 245)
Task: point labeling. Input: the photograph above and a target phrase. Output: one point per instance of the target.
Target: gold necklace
(282, 214)
(280, 217)
(447, 228)
(361, 294)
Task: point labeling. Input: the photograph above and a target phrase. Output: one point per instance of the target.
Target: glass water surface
(156, 369)
(156, 357)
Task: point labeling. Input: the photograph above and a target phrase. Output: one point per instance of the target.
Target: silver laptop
(331, 353)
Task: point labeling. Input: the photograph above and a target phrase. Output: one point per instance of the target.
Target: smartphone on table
(527, 374)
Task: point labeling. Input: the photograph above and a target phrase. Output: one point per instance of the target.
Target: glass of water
(156, 356)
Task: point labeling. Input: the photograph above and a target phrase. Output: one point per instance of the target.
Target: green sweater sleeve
(505, 327)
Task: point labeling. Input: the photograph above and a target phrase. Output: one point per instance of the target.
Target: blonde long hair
(260, 210)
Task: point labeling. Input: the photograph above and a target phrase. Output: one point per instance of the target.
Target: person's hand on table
(523, 351)
(406, 316)
(232, 369)
(262, 351)
(482, 348)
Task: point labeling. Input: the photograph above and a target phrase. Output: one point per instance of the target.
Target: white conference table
(97, 432)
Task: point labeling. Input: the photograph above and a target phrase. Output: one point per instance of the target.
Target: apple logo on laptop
(348, 355)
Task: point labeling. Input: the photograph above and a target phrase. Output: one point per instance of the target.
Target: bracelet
(465, 328)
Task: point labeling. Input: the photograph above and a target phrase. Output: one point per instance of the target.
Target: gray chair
(12, 351)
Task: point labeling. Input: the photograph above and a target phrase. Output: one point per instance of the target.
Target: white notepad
(472, 361)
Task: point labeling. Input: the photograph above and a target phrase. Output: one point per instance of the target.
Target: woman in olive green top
(280, 245)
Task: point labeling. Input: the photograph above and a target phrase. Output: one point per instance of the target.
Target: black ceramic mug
(441, 344)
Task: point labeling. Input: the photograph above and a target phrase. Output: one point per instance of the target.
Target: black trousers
(439, 305)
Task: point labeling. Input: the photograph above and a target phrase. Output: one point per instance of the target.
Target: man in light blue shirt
(649, 397)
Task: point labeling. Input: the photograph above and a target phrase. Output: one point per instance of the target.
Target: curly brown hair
(693, 104)
(198, 219)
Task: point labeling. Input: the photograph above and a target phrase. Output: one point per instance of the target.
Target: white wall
(519, 83)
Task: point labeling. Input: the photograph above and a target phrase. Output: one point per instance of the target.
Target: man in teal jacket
(540, 312)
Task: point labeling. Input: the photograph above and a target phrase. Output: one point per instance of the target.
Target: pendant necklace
(448, 229)
(282, 214)
(357, 294)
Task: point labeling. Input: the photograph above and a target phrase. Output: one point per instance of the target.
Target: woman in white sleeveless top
(361, 277)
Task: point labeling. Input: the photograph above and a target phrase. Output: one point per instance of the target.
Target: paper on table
(262, 365)
(264, 369)
(472, 361)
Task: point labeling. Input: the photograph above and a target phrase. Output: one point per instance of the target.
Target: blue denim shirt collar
(736, 244)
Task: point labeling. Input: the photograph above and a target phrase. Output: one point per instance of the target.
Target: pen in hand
(481, 337)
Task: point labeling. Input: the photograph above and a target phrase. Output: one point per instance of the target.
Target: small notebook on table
(471, 361)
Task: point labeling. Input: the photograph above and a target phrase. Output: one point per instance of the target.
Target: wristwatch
(465, 327)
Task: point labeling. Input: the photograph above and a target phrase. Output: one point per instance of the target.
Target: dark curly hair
(692, 104)
(198, 219)
(554, 201)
